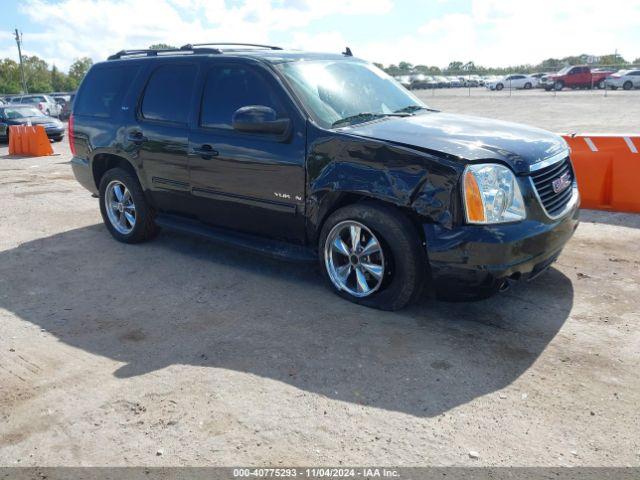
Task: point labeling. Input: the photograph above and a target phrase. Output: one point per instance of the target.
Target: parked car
(471, 81)
(625, 79)
(257, 148)
(405, 81)
(454, 82)
(536, 78)
(44, 103)
(419, 81)
(441, 81)
(580, 76)
(514, 81)
(28, 114)
(66, 108)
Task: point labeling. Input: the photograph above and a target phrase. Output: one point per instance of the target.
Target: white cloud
(97, 28)
(490, 32)
(502, 32)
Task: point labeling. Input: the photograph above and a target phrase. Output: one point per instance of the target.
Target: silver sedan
(625, 79)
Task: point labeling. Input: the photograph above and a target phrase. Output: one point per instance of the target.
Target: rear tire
(401, 256)
(558, 86)
(627, 85)
(527, 86)
(129, 204)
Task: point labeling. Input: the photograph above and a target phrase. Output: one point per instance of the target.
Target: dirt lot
(180, 352)
(562, 112)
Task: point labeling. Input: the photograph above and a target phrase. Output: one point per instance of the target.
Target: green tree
(37, 75)
(551, 64)
(455, 67)
(612, 59)
(59, 81)
(78, 70)
(405, 67)
(10, 76)
(160, 46)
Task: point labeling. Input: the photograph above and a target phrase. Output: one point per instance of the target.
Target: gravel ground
(181, 352)
(568, 111)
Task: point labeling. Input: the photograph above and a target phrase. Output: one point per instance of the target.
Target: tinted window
(103, 90)
(167, 97)
(230, 87)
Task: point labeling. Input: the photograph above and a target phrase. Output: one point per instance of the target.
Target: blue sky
(489, 32)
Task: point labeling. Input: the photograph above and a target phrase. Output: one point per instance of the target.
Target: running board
(264, 246)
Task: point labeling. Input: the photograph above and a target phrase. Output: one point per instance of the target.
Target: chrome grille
(553, 202)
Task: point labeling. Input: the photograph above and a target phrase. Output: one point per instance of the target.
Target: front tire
(558, 86)
(499, 86)
(373, 256)
(527, 86)
(124, 209)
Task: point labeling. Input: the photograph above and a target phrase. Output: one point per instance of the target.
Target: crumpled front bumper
(474, 255)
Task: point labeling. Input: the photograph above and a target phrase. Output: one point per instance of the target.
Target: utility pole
(19, 42)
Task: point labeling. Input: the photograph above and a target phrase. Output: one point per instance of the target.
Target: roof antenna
(347, 52)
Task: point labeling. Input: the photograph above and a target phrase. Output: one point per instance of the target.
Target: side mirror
(259, 119)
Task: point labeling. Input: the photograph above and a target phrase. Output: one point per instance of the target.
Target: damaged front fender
(340, 164)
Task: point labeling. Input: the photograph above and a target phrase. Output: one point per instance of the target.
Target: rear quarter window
(104, 89)
(167, 97)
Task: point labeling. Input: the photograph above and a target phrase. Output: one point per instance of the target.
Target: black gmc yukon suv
(306, 156)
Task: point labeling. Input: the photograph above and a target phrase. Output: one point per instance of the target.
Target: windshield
(22, 112)
(336, 90)
(564, 70)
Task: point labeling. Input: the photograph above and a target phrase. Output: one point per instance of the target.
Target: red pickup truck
(574, 77)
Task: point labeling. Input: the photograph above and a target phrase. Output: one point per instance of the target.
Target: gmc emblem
(560, 184)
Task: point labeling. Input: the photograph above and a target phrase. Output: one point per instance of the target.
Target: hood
(466, 138)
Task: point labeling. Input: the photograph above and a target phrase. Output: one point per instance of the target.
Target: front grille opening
(554, 202)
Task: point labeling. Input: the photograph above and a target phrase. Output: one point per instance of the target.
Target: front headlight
(492, 194)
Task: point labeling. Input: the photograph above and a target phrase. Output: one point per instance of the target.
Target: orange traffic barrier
(608, 171)
(29, 140)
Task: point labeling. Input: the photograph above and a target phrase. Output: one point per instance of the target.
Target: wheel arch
(103, 162)
(331, 201)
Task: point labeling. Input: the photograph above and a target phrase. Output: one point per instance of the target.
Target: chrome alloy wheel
(120, 208)
(354, 259)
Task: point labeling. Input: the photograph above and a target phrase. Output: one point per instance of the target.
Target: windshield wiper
(365, 116)
(414, 108)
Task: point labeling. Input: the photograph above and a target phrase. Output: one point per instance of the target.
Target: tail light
(70, 133)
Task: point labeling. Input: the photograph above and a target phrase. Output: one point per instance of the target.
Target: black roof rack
(155, 53)
(231, 44)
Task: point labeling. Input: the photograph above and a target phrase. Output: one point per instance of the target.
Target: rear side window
(231, 87)
(167, 97)
(104, 89)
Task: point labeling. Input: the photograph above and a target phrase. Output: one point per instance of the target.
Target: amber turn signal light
(473, 199)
